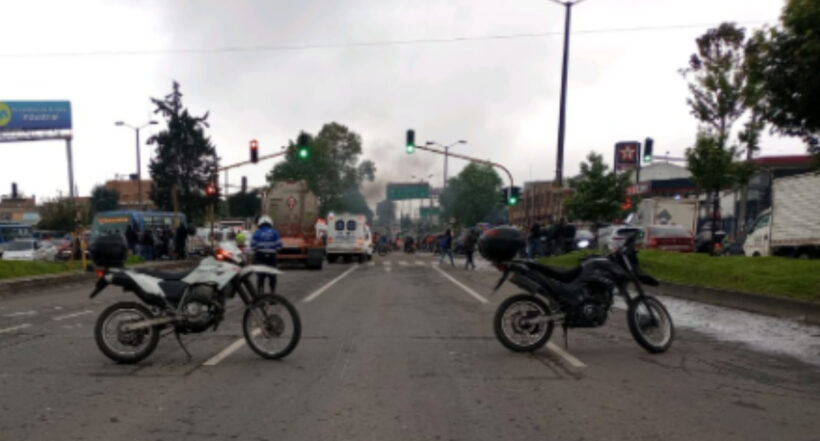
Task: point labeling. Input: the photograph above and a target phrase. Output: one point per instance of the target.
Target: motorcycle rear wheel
(271, 319)
(654, 332)
(511, 324)
(114, 343)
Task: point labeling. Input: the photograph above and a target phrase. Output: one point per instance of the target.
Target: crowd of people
(158, 243)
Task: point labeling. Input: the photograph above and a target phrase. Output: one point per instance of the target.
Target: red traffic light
(254, 151)
(210, 189)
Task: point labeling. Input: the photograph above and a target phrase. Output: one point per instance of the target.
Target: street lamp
(446, 153)
(139, 166)
(559, 166)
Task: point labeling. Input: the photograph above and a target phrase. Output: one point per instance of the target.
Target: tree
(185, 158)
(331, 169)
(723, 87)
(472, 196)
(599, 193)
(787, 64)
(244, 205)
(104, 199)
(63, 215)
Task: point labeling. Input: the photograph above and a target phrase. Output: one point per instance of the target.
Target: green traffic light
(513, 200)
(647, 158)
(410, 149)
(303, 153)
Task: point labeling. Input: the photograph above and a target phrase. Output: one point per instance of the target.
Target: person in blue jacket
(265, 242)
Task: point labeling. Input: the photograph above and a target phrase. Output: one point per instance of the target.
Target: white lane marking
(388, 263)
(569, 358)
(319, 291)
(371, 264)
(388, 269)
(466, 288)
(233, 347)
(15, 328)
(72, 315)
(419, 262)
(403, 263)
(21, 314)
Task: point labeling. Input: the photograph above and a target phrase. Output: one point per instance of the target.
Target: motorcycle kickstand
(179, 340)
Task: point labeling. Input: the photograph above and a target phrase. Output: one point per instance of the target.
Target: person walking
(469, 248)
(447, 247)
(265, 242)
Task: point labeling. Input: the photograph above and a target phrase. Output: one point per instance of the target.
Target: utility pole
(559, 165)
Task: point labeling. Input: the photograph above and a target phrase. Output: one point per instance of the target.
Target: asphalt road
(392, 350)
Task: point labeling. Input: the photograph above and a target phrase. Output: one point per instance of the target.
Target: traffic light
(302, 143)
(647, 150)
(244, 184)
(515, 196)
(254, 151)
(210, 189)
(410, 146)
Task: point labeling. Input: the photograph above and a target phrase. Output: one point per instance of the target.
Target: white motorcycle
(191, 302)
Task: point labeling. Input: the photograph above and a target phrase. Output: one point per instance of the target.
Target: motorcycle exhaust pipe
(143, 324)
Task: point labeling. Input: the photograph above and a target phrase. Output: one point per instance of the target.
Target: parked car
(63, 248)
(30, 249)
(669, 238)
(613, 236)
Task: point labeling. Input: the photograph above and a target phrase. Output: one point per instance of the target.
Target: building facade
(129, 193)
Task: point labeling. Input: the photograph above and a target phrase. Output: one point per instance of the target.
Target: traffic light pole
(240, 164)
(476, 160)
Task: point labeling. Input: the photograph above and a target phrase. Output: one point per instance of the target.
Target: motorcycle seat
(165, 275)
(559, 274)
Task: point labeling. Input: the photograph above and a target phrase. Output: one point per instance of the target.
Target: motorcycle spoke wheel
(120, 345)
(271, 326)
(516, 326)
(650, 324)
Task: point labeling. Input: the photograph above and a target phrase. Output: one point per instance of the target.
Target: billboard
(627, 155)
(35, 115)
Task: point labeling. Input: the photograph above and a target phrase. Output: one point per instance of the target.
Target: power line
(361, 44)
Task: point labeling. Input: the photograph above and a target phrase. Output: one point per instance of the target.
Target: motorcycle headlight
(583, 243)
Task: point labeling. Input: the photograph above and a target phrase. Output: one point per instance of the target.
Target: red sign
(627, 155)
(291, 202)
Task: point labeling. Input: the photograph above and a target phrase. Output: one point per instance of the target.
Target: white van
(348, 236)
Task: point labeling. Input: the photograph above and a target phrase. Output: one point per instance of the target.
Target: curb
(20, 285)
(803, 311)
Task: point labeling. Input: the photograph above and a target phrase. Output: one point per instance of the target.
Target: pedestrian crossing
(408, 264)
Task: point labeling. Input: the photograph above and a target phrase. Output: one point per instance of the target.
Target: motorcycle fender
(102, 283)
(259, 269)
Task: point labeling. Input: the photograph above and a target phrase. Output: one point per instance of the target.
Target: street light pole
(559, 162)
(446, 155)
(139, 161)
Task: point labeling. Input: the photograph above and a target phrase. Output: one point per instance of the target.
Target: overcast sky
(500, 94)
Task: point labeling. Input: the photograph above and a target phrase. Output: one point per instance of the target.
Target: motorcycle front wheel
(653, 331)
(515, 326)
(125, 347)
(271, 326)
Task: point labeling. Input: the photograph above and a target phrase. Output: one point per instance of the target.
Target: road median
(17, 285)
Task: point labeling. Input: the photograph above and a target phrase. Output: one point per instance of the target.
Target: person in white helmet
(265, 242)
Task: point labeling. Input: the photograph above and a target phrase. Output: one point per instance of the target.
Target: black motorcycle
(580, 297)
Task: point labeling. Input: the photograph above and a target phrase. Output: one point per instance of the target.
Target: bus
(10, 231)
(108, 222)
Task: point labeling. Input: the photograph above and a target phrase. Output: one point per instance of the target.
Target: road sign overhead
(413, 190)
